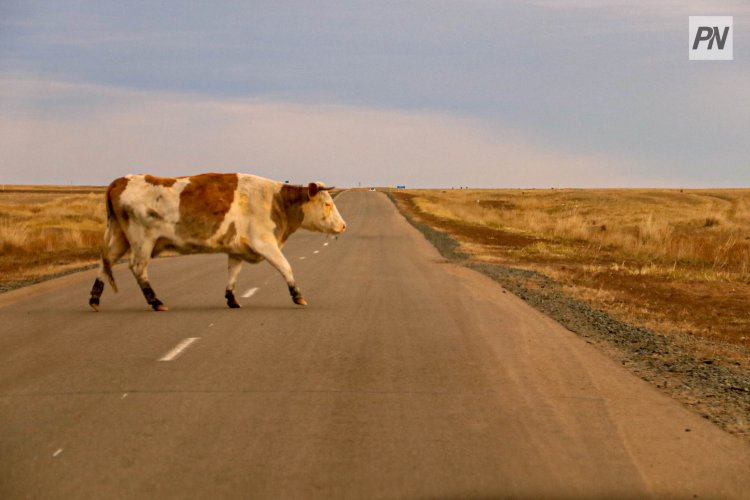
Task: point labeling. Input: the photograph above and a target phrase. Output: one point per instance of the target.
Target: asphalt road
(405, 377)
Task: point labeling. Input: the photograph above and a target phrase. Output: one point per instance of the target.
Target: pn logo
(710, 38)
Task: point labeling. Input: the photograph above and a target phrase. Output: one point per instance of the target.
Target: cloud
(123, 131)
(595, 83)
(641, 9)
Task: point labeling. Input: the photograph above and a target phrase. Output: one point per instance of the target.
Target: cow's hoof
(95, 307)
(160, 307)
(300, 301)
(231, 301)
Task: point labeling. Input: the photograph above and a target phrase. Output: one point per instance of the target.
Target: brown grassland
(48, 230)
(669, 260)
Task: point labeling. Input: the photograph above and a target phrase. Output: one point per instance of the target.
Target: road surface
(406, 377)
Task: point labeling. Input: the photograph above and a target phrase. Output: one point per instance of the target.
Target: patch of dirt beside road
(69, 269)
(709, 376)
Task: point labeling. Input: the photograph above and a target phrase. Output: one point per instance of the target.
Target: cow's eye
(329, 204)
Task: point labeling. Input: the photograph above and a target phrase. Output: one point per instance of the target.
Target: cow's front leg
(139, 259)
(272, 253)
(234, 266)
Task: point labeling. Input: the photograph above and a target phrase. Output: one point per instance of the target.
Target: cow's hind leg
(139, 259)
(115, 246)
(234, 266)
(272, 253)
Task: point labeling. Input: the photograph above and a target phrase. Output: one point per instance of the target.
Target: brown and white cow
(247, 217)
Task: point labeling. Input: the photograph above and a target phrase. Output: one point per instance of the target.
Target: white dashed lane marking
(249, 293)
(179, 349)
(57, 452)
(301, 258)
(325, 244)
(316, 251)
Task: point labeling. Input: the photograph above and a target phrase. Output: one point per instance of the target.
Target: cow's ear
(313, 188)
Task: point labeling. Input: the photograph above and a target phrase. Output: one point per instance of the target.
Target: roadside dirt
(704, 367)
(67, 268)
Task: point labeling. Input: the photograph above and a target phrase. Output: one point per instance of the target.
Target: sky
(530, 94)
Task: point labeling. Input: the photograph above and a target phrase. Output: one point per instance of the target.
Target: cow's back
(194, 207)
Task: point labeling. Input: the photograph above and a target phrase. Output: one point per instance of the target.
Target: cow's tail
(114, 246)
(107, 268)
(112, 234)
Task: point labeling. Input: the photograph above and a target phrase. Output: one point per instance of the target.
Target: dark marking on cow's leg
(96, 293)
(234, 264)
(155, 303)
(138, 263)
(231, 301)
(296, 295)
(272, 253)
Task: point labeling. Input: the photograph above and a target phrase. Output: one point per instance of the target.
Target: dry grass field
(45, 231)
(670, 260)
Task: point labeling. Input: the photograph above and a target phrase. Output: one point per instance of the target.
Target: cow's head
(320, 212)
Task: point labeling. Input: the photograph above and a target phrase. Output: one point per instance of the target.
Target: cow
(247, 217)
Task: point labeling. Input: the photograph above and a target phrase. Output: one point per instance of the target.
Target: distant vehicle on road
(372, 189)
